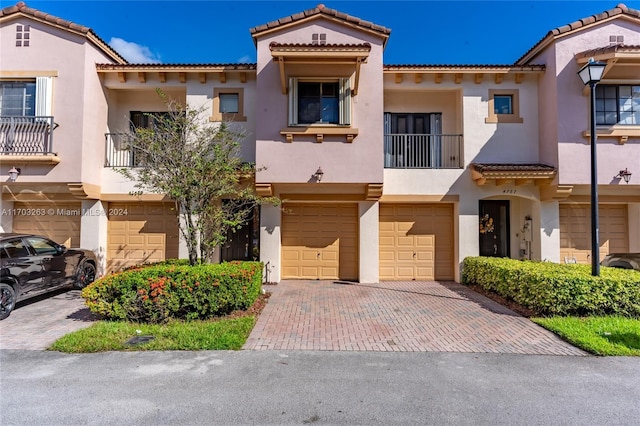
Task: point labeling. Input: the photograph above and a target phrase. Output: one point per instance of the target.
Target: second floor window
(17, 98)
(145, 120)
(229, 103)
(617, 105)
(319, 102)
(503, 104)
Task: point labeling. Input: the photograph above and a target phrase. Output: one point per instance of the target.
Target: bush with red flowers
(171, 290)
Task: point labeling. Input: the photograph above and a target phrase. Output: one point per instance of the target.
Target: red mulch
(515, 307)
(255, 309)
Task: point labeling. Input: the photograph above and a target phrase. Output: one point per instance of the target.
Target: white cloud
(245, 60)
(133, 52)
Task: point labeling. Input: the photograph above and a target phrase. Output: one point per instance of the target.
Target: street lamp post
(591, 74)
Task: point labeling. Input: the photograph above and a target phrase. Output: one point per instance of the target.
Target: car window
(13, 249)
(42, 246)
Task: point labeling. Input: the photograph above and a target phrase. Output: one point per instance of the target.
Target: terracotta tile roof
(22, 8)
(620, 9)
(512, 167)
(311, 47)
(608, 49)
(190, 67)
(330, 45)
(320, 10)
(451, 67)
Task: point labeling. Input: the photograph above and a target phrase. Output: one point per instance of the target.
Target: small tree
(198, 165)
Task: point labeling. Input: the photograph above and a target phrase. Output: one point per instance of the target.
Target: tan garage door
(320, 241)
(141, 233)
(58, 221)
(416, 242)
(575, 231)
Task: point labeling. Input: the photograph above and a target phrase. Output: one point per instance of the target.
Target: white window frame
(43, 96)
(344, 101)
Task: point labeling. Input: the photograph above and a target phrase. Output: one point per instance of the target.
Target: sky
(422, 32)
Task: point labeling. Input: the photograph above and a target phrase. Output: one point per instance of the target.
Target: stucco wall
(573, 110)
(342, 162)
(69, 97)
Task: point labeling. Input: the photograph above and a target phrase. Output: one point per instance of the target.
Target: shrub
(172, 290)
(554, 289)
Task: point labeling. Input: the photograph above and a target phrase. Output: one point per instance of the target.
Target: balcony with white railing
(422, 151)
(118, 151)
(26, 136)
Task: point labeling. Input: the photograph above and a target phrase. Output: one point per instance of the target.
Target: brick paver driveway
(395, 316)
(35, 324)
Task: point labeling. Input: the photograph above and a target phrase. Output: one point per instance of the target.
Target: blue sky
(423, 32)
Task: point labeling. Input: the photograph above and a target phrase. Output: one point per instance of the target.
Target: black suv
(31, 265)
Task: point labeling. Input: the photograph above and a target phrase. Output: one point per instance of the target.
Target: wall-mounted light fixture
(318, 175)
(624, 174)
(14, 173)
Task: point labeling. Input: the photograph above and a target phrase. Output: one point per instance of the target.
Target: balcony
(118, 151)
(422, 151)
(26, 136)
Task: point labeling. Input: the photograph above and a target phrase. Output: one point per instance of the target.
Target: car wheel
(7, 300)
(86, 275)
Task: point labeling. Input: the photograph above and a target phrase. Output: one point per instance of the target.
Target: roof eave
(619, 12)
(376, 30)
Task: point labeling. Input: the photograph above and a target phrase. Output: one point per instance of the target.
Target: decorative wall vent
(320, 39)
(23, 35)
(616, 39)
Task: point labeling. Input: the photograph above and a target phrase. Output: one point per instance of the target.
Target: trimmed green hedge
(554, 289)
(173, 290)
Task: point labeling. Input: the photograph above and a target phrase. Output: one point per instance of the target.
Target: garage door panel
(425, 256)
(425, 271)
(421, 236)
(575, 231)
(59, 221)
(141, 232)
(155, 240)
(426, 241)
(325, 238)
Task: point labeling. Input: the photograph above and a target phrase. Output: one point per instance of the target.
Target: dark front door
(494, 228)
(243, 243)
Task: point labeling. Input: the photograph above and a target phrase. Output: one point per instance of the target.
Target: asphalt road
(274, 387)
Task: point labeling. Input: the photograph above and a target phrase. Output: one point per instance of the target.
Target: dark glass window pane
(330, 110)
(17, 98)
(318, 102)
(611, 118)
(610, 105)
(624, 91)
(309, 89)
(502, 104)
(610, 91)
(229, 103)
(308, 110)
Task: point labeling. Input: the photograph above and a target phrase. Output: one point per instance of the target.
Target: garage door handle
(414, 254)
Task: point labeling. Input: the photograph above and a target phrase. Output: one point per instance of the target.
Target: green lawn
(609, 335)
(224, 334)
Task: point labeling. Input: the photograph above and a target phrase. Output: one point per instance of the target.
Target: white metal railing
(26, 135)
(422, 151)
(118, 151)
